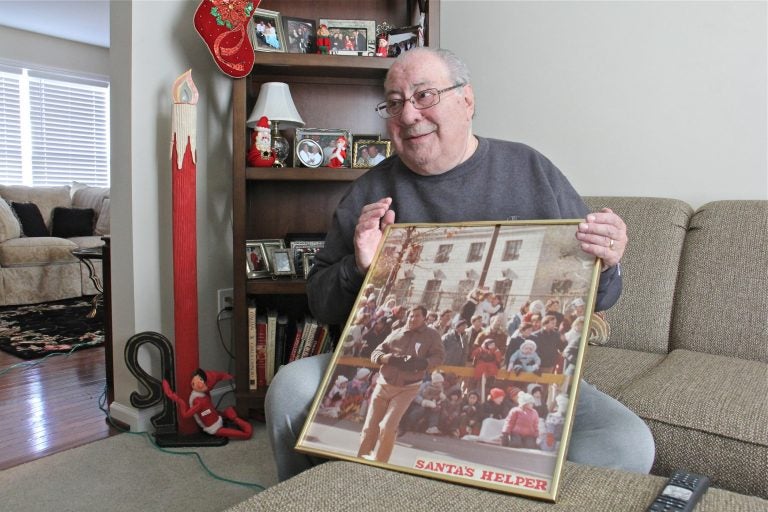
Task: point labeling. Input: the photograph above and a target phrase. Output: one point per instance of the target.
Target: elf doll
(261, 153)
(323, 39)
(202, 409)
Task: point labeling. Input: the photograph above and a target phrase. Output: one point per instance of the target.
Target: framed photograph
(335, 145)
(351, 37)
(368, 153)
(365, 136)
(300, 34)
(256, 262)
(266, 31)
(402, 39)
(496, 416)
(300, 248)
(308, 261)
(309, 153)
(281, 262)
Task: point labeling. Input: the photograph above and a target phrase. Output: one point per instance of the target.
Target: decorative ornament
(223, 26)
(261, 153)
(323, 39)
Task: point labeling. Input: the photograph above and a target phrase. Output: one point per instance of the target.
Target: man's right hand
(369, 230)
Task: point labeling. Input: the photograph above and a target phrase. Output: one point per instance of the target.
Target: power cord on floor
(102, 406)
(38, 362)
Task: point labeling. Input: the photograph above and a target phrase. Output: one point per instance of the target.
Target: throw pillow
(102, 225)
(69, 222)
(30, 218)
(9, 224)
(86, 196)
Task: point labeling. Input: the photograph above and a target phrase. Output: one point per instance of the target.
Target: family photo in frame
(473, 410)
(368, 153)
(300, 34)
(331, 147)
(266, 31)
(257, 256)
(351, 37)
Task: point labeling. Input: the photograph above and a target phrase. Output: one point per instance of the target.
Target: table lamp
(275, 102)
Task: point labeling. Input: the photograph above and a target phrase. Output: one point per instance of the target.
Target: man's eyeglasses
(420, 100)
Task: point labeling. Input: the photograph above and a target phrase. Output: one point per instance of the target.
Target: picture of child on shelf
(339, 153)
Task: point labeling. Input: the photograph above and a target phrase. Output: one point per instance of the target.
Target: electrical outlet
(225, 299)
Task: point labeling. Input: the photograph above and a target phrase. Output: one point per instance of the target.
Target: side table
(87, 255)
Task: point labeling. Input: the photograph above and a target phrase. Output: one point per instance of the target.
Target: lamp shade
(276, 103)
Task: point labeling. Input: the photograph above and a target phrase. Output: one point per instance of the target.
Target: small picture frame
(266, 31)
(351, 37)
(300, 34)
(365, 136)
(256, 262)
(402, 39)
(309, 153)
(302, 247)
(308, 261)
(281, 262)
(368, 153)
(328, 140)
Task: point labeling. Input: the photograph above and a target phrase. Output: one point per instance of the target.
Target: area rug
(36, 330)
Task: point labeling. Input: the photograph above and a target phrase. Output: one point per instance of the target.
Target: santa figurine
(339, 153)
(382, 46)
(201, 406)
(323, 39)
(261, 153)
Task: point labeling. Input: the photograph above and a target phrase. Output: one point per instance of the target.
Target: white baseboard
(139, 420)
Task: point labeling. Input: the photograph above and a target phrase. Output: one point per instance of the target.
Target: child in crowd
(425, 407)
(331, 405)
(471, 415)
(525, 359)
(450, 412)
(521, 427)
(553, 425)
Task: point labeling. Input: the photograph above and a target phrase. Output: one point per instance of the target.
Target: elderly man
(429, 104)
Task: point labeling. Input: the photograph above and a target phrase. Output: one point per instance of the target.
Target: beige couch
(688, 352)
(41, 269)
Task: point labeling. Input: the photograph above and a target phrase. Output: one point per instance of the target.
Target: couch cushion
(102, 225)
(38, 251)
(9, 224)
(46, 198)
(69, 222)
(722, 299)
(32, 223)
(656, 229)
(86, 196)
(346, 486)
(611, 369)
(707, 413)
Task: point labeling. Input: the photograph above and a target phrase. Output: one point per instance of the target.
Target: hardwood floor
(51, 407)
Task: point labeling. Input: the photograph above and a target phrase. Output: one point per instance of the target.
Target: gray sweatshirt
(500, 181)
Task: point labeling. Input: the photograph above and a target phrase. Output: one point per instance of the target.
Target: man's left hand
(603, 234)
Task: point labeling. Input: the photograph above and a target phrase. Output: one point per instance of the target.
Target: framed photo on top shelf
(351, 37)
(328, 140)
(433, 267)
(368, 153)
(300, 34)
(266, 31)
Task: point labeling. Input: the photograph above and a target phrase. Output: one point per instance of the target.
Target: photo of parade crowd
(487, 389)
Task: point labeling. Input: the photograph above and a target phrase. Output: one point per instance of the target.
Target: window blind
(58, 133)
(10, 128)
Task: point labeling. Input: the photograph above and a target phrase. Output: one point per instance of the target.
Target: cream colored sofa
(42, 269)
(688, 352)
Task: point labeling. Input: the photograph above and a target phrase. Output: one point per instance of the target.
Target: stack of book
(275, 340)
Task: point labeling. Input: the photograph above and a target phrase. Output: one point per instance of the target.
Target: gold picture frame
(362, 158)
(439, 267)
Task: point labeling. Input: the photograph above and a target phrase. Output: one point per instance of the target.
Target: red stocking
(223, 25)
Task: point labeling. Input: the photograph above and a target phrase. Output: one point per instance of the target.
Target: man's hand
(370, 227)
(603, 234)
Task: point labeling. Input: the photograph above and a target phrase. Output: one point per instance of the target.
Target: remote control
(681, 493)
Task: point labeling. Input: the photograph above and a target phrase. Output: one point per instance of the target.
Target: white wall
(152, 43)
(641, 98)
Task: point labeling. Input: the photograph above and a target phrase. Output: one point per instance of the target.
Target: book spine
(281, 341)
(310, 341)
(271, 340)
(261, 352)
(296, 342)
(252, 381)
